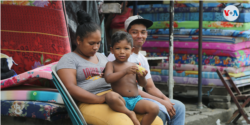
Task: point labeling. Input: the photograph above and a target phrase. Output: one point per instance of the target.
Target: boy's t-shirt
(136, 58)
(86, 71)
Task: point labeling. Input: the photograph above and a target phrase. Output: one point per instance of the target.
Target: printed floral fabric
(207, 60)
(32, 95)
(194, 81)
(34, 33)
(205, 24)
(215, 52)
(36, 75)
(161, 8)
(194, 16)
(36, 3)
(221, 39)
(205, 32)
(194, 45)
(194, 74)
(188, 80)
(205, 68)
(33, 109)
(208, 1)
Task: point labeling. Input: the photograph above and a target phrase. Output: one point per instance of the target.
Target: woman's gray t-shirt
(86, 71)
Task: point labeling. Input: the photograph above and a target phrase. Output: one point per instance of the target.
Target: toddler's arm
(141, 78)
(112, 77)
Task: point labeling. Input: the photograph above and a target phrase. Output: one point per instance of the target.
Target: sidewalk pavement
(208, 116)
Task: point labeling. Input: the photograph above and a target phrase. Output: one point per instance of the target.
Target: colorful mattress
(161, 7)
(193, 45)
(155, 9)
(31, 95)
(194, 16)
(188, 80)
(33, 33)
(205, 24)
(205, 32)
(194, 81)
(41, 73)
(205, 68)
(208, 60)
(33, 109)
(194, 74)
(208, 1)
(152, 51)
(221, 39)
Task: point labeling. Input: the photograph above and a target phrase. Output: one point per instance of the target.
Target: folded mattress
(205, 68)
(205, 32)
(194, 16)
(205, 45)
(205, 24)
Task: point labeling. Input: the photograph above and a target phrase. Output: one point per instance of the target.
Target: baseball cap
(138, 19)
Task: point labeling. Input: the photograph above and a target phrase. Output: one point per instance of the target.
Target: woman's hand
(131, 70)
(101, 99)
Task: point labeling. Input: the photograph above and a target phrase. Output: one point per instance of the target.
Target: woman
(79, 71)
(115, 22)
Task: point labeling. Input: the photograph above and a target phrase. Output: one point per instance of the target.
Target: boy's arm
(109, 74)
(141, 78)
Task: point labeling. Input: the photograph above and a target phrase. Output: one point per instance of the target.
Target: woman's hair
(121, 35)
(86, 25)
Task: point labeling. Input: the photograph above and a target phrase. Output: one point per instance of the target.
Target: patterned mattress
(205, 45)
(194, 16)
(205, 68)
(194, 81)
(154, 51)
(194, 74)
(205, 32)
(208, 1)
(205, 24)
(33, 109)
(208, 60)
(153, 8)
(157, 8)
(221, 39)
(32, 95)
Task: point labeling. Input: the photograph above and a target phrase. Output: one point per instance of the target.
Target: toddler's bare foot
(132, 116)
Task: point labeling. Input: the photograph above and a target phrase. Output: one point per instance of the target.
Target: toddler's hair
(121, 35)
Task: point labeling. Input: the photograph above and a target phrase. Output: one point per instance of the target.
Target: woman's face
(90, 44)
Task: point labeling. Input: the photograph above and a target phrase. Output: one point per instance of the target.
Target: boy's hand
(144, 73)
(131, 70)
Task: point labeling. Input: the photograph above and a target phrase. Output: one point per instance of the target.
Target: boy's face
(122, 50)
(139, 34)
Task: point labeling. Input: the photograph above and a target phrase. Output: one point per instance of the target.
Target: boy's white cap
(138, 19)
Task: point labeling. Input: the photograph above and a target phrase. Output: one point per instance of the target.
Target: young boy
(123, 77)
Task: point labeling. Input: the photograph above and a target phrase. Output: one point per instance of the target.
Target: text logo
(231, 13)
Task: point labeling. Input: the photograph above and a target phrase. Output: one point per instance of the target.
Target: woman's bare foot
(132, 116)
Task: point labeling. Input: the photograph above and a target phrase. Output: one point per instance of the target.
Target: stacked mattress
(225, 46)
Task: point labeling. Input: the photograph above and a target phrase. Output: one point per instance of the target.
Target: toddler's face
(122, 50)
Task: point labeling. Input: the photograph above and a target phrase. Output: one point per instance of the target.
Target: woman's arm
(68, 77)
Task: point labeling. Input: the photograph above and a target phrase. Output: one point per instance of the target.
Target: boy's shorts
(131, 101)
